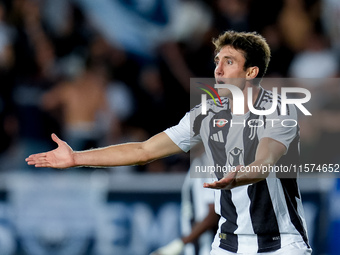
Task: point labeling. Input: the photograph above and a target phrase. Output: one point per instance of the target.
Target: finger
(35, 162)
(37, 159)
(35, 156)
(33, 159)
(213, 185)
(40, 163)
(207, 185)
(238, 168)
(221, 184)
(43, 165)
(56, 139)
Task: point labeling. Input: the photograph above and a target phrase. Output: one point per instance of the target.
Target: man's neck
(255, 93)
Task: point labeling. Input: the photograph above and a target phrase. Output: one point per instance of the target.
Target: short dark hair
(253, 46)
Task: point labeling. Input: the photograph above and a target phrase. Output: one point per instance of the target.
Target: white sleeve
(282, 128)
(181, 134)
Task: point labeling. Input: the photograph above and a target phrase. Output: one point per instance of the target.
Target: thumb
(238, 168)
(56, 139)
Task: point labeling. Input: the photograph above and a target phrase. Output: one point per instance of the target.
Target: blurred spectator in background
(260, 17)
(135, 26)
(35, 69)
(295, 24)
(315, 65)
(150, 49)
(188, 26)
(326, 123)
(67, 28)
(7, 35)
(84, 107)
(315, 60)
(151, 96)
(231, 15)
(330, 19)
(281, 55)
(8, 122)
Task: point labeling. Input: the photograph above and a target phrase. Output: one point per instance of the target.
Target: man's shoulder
(268, 98)
(211, 105)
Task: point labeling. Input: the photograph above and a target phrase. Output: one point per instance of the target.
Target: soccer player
(260, 211)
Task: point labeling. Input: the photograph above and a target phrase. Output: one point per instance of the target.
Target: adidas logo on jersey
(217, 137)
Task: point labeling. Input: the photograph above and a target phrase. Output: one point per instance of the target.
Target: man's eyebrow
(231, 57)
(224, 57)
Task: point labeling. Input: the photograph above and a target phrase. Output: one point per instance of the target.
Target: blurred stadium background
(98, 72)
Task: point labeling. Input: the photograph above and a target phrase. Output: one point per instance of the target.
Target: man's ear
(252, 72)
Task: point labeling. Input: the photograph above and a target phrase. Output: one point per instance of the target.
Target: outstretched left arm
(268, 152)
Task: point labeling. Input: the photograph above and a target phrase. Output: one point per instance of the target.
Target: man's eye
(229, 62)
(216, 62)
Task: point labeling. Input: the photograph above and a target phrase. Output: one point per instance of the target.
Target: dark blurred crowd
(103, 72)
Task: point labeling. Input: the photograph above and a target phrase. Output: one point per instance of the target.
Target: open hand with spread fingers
(61, 157)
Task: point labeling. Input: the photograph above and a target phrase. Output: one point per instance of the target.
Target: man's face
(229, 69)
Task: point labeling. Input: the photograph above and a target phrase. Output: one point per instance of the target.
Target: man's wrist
(76, 159)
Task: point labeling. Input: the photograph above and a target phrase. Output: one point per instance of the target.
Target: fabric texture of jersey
(259, 217)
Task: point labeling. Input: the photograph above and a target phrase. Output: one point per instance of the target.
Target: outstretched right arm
(156, 147)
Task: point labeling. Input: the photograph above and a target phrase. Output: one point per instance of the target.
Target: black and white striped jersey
(259, 217)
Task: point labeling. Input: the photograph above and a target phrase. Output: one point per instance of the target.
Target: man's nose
(219, 70)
